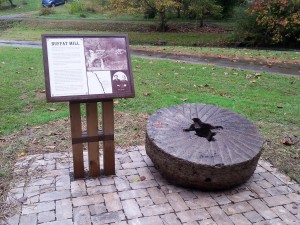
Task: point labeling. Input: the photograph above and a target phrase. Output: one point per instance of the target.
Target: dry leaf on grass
(184, 99)
(52, 109)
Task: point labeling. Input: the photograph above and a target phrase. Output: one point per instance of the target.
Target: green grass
(21, 76)
(22, 6)
(270, 99)
(33, 30)
(236, 52)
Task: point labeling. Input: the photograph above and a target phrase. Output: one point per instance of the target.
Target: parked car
(52, 3)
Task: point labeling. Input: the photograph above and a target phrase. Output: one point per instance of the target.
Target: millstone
(214, 159)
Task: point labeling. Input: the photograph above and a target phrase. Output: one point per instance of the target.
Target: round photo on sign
(120, 82)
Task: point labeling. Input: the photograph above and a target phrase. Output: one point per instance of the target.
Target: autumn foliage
(277, 22)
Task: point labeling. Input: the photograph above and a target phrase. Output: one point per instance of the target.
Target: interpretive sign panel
(87, 67)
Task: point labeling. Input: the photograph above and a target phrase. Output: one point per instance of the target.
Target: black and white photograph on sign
(105, 54)
(99, 82)
(120, 82)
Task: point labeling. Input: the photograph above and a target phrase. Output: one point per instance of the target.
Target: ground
(137, 194)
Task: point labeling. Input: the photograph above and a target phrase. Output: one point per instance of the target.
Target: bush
(46, 11)
(271, 23)
(75, 6)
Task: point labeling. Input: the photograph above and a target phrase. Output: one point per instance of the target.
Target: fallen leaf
(31, 68)
(40, 91)
(136, 179)
(52, 109)
(50, 147)
(116, 101)
(289, 141)
(225, 95)
(248, 76)
(142, 178)
(252, 81)
(235, 73)
(184, 99)
(21, 154)
(37, 127)
(225, 73)
(146, 93)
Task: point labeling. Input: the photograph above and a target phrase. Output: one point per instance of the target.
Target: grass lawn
(271, 101)
(22, 6)
(283, 55)
(31, 30)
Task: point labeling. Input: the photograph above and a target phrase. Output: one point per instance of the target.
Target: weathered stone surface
(189, 160)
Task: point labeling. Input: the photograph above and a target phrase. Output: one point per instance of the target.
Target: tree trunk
(202, 18)
(11, 3)
(178, 13)
(163, 21)
(201, 22)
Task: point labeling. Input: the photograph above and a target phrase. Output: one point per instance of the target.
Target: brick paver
(138, 194)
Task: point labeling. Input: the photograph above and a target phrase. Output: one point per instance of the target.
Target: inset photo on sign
(120, 82)
(105, 54)
(99, 82)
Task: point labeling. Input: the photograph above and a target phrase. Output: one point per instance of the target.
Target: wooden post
(76, 132)
(93, 147)
(108, 145)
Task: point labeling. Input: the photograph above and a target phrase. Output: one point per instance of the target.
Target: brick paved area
(139, 195)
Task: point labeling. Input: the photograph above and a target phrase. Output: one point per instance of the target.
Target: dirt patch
(282, 147)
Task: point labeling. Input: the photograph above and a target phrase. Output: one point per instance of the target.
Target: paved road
(276, 68)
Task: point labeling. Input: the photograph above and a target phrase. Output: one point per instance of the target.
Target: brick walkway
(139, 195)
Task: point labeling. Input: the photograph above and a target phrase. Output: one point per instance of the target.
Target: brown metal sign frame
(95, 57)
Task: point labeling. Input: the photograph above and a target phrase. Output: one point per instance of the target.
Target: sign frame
(117, 64)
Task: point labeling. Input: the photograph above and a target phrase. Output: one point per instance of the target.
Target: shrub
(75, 6)
(46, 11)
(275, 22)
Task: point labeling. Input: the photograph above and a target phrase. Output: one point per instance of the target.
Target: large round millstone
(214, 159)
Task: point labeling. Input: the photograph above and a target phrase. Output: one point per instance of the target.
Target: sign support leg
(76, 132)
(108, 145)
(93, 147)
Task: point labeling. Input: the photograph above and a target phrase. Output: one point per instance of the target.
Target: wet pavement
(45, 193)
(282, 68)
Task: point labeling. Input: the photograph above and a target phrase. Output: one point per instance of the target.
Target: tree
(273, 22)
(204, 8)
(162, 7)
(228, 6)
(10, 1)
